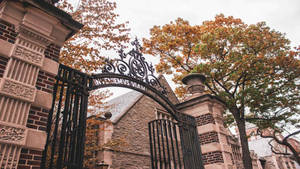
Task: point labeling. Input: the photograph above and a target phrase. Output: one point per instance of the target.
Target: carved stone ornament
(28, 56)
(30, 35)
(17, 90)
(12, 134)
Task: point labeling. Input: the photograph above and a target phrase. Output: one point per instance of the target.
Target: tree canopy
(86, 50)
(251, 68)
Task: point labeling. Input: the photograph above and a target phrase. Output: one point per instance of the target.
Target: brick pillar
(31, 33)
(207, 109)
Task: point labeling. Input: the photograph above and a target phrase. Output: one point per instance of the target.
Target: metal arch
(116, 80)
(132, 71)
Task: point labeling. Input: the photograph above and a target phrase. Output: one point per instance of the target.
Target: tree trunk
(247, 161)
(295, 153)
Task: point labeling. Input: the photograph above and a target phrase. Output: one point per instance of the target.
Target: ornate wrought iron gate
(67, 119)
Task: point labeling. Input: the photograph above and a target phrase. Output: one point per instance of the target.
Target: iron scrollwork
(134, 65)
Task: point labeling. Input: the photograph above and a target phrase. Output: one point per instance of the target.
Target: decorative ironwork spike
(134, 66)
(136, 44)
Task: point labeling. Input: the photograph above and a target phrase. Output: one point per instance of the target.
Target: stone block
(43, 99)
(36, 139)
(207, 128)
(50, 66)
(6, 48)
(215, 166)
(210, 147)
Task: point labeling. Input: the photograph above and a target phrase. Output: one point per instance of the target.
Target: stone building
(263, 151)
(131, 113)
(221, 149)
(31, 35)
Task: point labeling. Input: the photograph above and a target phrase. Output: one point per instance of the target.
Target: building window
(162, 114)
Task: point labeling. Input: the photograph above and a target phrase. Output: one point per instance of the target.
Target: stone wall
(212, 157)
(205, 119)
(27, 55)
(7, 31)
(209, 137)
(52, 52)
(133, 126)
(30, 159)
(216, 151)
(45, 82)
(3, 63)
(37, 118)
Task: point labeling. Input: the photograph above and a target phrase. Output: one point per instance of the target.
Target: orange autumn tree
(251, 68)
(86, 50)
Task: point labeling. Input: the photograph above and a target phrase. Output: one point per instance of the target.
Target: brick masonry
(45, 82)
(212, 157)
(205, 119)
(37, 118)
(3, 63)
(30, 159)
(209, 137)
(7, 32)
(52, 52)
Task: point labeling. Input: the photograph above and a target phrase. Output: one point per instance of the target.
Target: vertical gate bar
(190, 145)
(82, 123)
(79, 134)
(182, 140)
(72, 151)
(60, 161)
(57, 120)
(198, 147)
(49, 122)
(167, 141)
(155, 154)
(158, 142)
(178, 153)
(172, 144)
(68, 138)
(151, 142)
(163, 143)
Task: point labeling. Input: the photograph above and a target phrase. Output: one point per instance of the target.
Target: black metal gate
(174, 145)
(67, 119)
(165, 146)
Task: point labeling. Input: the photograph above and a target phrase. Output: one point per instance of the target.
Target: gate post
(207, 109)
(31, 35)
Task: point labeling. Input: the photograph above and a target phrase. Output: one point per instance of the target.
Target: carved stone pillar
(27, 30)
(207, 109)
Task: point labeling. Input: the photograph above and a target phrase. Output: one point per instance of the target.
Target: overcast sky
(281, 15)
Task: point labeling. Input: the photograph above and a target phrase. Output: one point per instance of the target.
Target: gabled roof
(120, 105)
